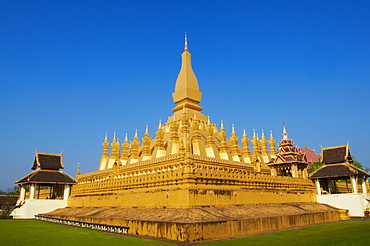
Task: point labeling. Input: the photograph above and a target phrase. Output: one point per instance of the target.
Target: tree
(11, 191)
(9, 198)
(14, 191)
(314, 166)
(357, 164)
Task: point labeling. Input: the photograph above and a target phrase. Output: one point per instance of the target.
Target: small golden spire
(255, 143)
(263, 141)
(234, 142)
(135, 147)
(245, 141)
(272, 144)
(115, 147)
(159, 144)
(146, 143)
(105, 147)
(125, 148)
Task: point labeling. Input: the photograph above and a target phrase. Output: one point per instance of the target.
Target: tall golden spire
(187, 89)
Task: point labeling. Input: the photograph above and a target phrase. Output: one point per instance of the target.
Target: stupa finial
(186, 42)
(114, 138)
(187, 88)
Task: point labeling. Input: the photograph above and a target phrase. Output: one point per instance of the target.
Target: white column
(363, 184)
(66, 191)
(23, 193)
(329, 185)
(318, 188)
(32, 191)
(354, 184)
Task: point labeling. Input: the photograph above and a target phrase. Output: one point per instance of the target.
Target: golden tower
(191, 182)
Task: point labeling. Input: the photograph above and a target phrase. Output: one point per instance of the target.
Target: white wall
(355, 203)
(33, 207)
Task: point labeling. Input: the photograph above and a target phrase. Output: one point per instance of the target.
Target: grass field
(34, 232)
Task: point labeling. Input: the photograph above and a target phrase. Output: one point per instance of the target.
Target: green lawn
(339, 233)
(34, 232)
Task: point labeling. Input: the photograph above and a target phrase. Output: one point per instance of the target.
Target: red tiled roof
(311, 155)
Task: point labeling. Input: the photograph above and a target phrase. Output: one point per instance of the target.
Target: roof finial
(186, 42)
(285, 134)
(78, 169)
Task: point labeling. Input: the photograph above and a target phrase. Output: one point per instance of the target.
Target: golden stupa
(191, 182)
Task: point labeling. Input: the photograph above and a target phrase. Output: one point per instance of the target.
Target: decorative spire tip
(186, 42)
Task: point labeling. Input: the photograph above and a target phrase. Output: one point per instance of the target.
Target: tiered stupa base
(196, 224)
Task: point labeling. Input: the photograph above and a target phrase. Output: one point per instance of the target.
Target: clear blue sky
(70, 71)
